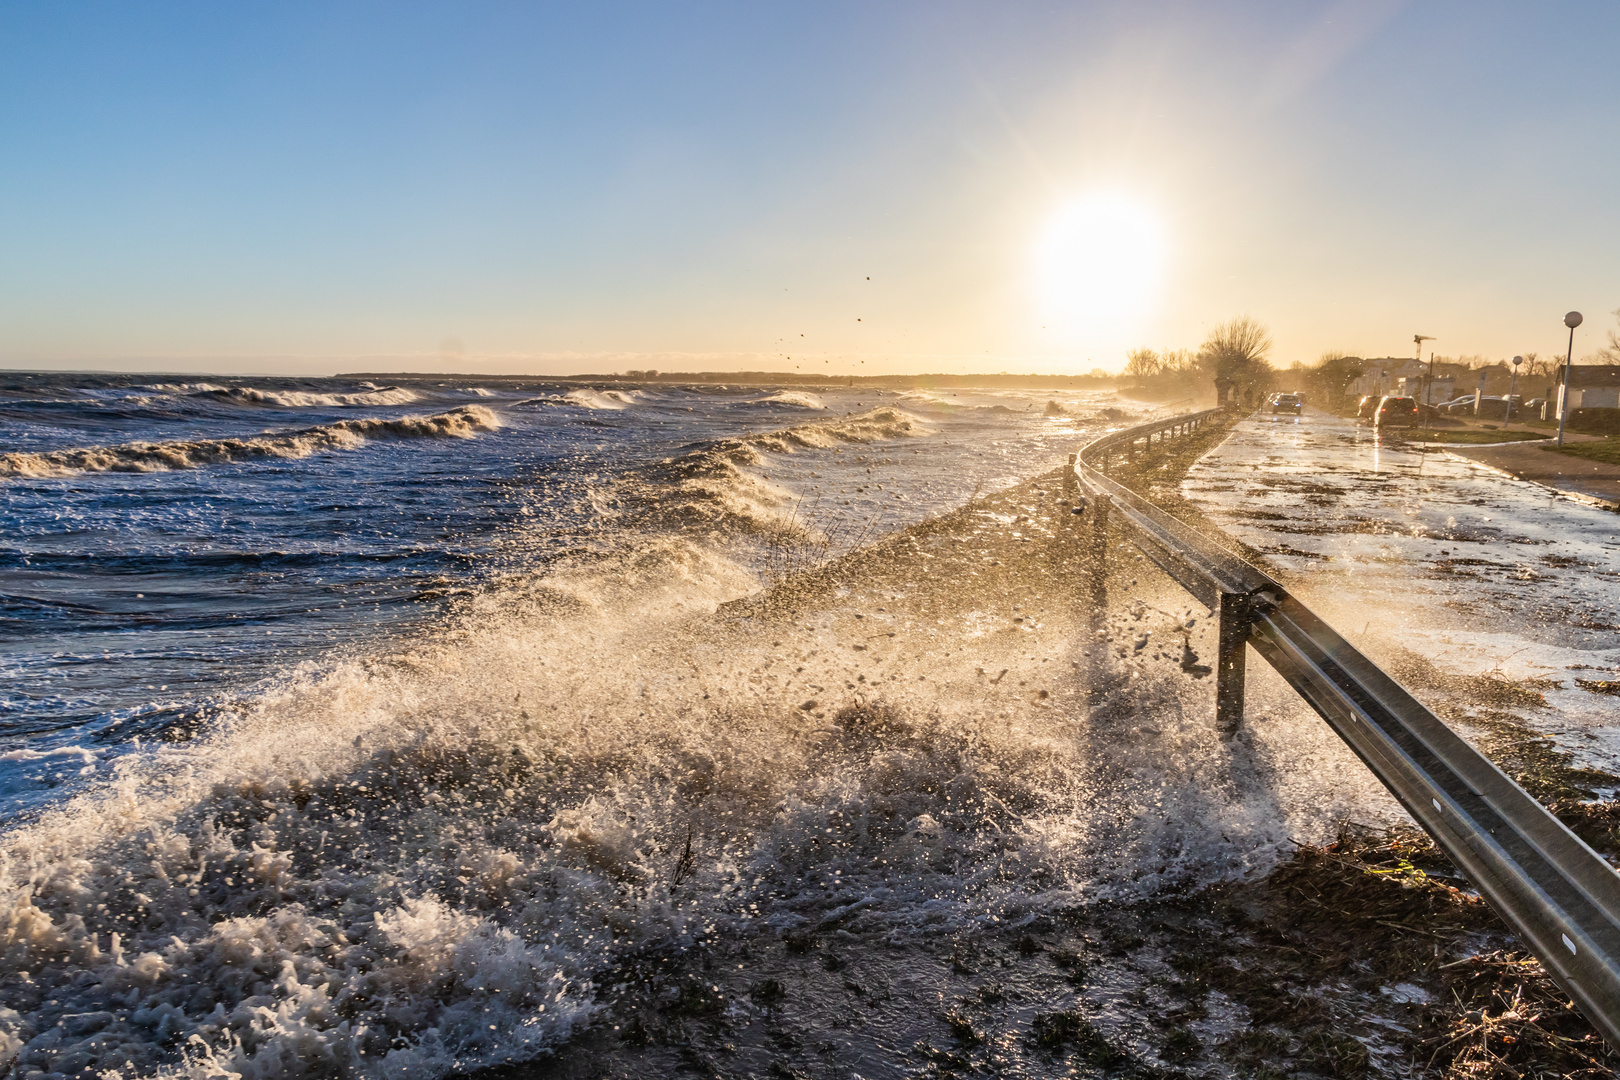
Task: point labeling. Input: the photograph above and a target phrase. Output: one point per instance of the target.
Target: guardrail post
(1230, 656)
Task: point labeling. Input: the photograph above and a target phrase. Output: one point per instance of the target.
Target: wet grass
(1370, 956)
(1471, 435)
(1606, 450)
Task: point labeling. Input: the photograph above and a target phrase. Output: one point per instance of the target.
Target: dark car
(1396, 412)
(1287, 403)
(1367, 406)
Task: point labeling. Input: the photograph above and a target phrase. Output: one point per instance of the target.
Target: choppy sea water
(371, 729)
(169, 544)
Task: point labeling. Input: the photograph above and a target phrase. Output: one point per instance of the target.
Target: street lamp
(1572, 320)
(1512, 382)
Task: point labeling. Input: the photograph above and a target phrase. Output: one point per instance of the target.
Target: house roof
(1587, 376)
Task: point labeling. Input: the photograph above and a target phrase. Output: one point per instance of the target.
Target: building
(1383, 374)
(1591, 386)
(1441, 388)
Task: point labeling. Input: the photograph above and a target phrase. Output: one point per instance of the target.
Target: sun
(1099, 262)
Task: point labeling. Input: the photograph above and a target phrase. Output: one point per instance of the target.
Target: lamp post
(1572, 320)
(1513, 380)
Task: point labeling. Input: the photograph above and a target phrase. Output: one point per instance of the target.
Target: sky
(868, 188)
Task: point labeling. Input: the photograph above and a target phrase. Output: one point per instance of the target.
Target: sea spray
(432, 856)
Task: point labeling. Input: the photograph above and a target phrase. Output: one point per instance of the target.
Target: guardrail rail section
(1558, 895)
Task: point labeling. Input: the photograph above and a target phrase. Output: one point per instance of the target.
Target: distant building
(1441, 389)
(1383, 374)
(1591, 386)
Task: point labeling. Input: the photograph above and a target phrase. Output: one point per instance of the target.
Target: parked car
(1457, 406)
(1396, 412)
(1495, 408)
(1367, 406)
(1287, 403)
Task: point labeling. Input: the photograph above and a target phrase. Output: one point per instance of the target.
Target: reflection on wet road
(1405, 548)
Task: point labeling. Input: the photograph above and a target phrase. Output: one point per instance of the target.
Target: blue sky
(504, 187)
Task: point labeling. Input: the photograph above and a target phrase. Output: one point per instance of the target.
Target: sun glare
(1098, 263)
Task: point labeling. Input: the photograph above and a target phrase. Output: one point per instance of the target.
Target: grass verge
(1472, 436)
(1605, 450)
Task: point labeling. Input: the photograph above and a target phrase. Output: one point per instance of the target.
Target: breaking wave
(874, 425)
(600, 399)
(802, 399)
(178, 389)
(461, 423)
(298, 399)
(713, 488)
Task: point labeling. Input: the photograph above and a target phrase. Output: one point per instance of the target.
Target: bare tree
(1142, 364)
(1235, 345)
(1234, 354)
(1177, 361)
(1610, 353)
(1535, 367)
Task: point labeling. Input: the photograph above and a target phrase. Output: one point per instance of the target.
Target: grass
(1471, 435)
(1606, 450)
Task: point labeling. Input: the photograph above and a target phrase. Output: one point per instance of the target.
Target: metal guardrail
(1559, 896)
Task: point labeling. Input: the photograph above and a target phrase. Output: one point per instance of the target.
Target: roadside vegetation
(1232, 357)
(1604, 450)
(1471, 435)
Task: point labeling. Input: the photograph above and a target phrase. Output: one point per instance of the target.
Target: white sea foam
(299, 399)
(716, 490)
(461, 423)
(477, 391)
(181, 389)
(86, 756)
(613, 400)
(802, 399)
(874, 425)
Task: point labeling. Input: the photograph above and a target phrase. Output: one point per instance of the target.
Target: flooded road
(1408, 549)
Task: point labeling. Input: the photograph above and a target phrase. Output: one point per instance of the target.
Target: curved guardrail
(1559, 896)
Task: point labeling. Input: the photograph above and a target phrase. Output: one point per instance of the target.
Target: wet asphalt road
(1405, 547)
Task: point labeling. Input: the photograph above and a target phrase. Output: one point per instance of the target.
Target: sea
(174, 547)
(369, 726)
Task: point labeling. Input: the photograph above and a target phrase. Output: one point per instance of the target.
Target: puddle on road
(1401, 547)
